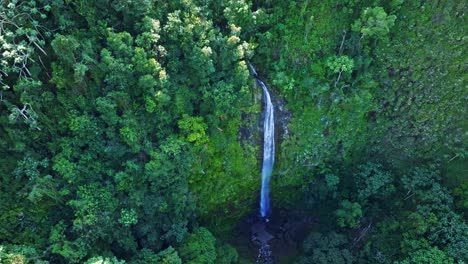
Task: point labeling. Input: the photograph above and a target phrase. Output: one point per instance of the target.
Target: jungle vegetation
(128, 128)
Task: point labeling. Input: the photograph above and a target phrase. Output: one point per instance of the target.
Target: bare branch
(342, 42)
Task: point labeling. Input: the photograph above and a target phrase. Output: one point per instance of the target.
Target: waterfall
(268, 151)
(268, 147)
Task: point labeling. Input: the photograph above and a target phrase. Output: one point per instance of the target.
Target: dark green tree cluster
(119, 121)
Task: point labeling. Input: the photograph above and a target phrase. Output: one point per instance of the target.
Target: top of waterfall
(252, 70)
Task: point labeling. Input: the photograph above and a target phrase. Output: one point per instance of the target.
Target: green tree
(194, 128)
(373, 182)
(18, 254)
(169, 256)
(198, 247)
(22, 41)
(166, 256)
(326, 248)
(349, 214)
(432, 256)
(104, 260)
(340, 65)
(374, 22)
(226, 254)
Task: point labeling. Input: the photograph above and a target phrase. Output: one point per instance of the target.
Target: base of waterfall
(275, 240)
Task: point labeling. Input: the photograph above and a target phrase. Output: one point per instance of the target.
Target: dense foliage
(129, 129)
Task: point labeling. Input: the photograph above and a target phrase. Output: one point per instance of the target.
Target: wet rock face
(259, 233)
(250, 132)
(252, 129)
(282, 116)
